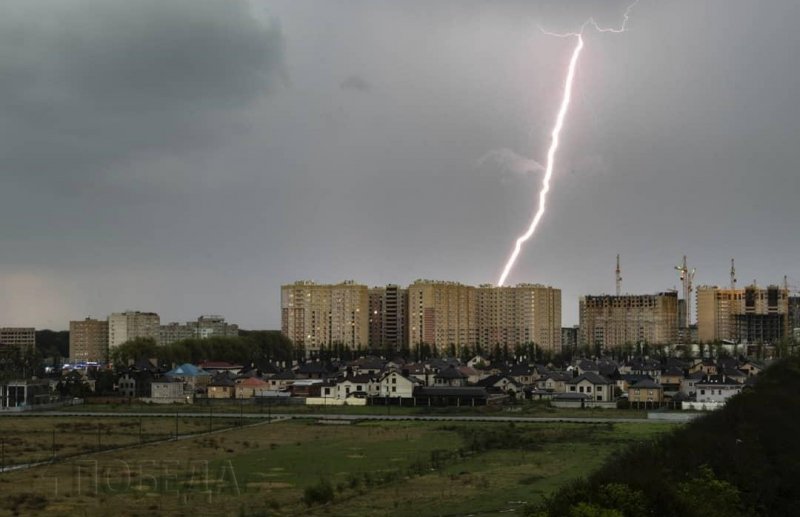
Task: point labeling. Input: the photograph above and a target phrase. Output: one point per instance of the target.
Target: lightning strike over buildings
(556, 132)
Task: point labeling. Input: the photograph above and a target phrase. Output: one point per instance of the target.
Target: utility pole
(619, 278)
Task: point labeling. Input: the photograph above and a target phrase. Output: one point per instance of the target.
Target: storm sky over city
(189, 157)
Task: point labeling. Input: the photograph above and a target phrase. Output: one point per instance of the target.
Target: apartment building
(316, 315)
(204, 327)
(22, 337)
(442, 315)
(613, 321)
(128, 325)
(388, 317)
(750, 315)
(88, 341)
(525, 313)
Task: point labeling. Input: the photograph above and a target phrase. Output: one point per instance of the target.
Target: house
(717, 388)
(593, 384)
(586, 365)
(689, 383)
(626, 380)
(281, 381)
(752, 368)
(24, 393)
(166, 391)
(213, 367)
(501, 384)
(523, 374)
(221, 386)
(313, 370)
(705, 366)
(671, 378)
(250, 387)
(371, 365)
(554, 382)
(450, 376)
(646, 390)
(192, 376)
(394, 385)
(420, 371)
(478, 362)
(471, 374)
(358, 385)
(307, 387)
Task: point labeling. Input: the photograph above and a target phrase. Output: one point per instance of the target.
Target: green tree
(707, 496)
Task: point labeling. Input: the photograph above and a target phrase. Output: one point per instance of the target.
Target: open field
(534, 409)
(387, 468)
(38, 438)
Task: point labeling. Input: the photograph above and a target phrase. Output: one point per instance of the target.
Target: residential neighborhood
(639, 383)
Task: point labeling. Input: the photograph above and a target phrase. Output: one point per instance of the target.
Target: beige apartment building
(613, 321)
(23, 338)
(88, 341)
(752, 314)
(442, 315)
(525, 313)
(316, 315)
(125, 326)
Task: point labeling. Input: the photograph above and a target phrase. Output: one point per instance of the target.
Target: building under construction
(608, 321)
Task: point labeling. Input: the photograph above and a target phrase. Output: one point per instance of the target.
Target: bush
(321, 493)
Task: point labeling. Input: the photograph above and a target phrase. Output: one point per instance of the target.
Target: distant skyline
(190, 157)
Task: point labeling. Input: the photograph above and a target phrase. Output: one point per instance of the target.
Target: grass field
(527, 408)
(370, 468)
(33, 439)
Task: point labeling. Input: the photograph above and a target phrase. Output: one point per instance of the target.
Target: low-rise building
(717, 389)
(394, 385)
(648, 391)
(597, 387)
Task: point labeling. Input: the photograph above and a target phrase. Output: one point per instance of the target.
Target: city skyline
(384, 143)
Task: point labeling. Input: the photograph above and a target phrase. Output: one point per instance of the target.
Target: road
(680, 417)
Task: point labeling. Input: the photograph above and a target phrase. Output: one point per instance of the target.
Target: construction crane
(687, 277)
(619, 277)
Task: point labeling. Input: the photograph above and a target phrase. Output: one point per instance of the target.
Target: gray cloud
(510, 162)
(153, 154)
(89, 84)
(355, 82)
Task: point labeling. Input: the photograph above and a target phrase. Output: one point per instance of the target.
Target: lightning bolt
(556, 132)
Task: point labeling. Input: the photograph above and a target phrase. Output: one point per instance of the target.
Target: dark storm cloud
(88, 84)
(155, 155)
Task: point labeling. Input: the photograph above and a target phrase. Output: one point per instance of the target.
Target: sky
(189, 157)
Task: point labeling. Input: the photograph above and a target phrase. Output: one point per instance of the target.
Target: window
(572, 388)
(394, 389)
(702, 392)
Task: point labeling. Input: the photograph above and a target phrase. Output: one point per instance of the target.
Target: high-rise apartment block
(750, 315)
(442, 315)
(525, 313)
(23, 338)
(320, 315)
(447, 316)
(204, 327)
(88, 341)
(570, 337)
(125, 326)
(388, 317)
(613, 321)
